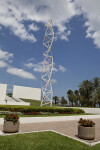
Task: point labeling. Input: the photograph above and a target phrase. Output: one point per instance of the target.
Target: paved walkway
(53, 118)
(64, 127)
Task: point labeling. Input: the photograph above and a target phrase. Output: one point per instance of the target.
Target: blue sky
(76, 46)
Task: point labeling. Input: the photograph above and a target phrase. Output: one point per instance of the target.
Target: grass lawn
(32, 102)
(42, 141)
(37, 103)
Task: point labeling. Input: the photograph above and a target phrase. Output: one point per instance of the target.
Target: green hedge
(28, 109)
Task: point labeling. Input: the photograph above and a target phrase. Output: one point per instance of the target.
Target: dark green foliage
(73, 97)
(28, 109)
(9, 94)
(63, 101)
(88, 94)
(86, 123)
(11, 117)
(56, 99)
(85, 89)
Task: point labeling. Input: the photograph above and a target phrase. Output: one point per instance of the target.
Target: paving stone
(65, 127)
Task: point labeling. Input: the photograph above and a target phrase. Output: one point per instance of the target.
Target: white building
(19, 92)
(26, 92)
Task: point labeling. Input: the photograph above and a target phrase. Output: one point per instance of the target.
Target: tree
(88, 94)
(56, 99)
(86, 89)
(95, 93)
(98, 96)
(63, 101)
(76, 97)
(9, 94)
(71, 97)
(96, 82)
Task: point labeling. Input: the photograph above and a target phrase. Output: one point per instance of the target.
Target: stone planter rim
(10, 126)
(87, 133)
(85, 126)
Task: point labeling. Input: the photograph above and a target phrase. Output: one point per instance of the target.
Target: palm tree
(96, 82)
(95, 93)
(76, 95)
(85, 89)
(56, 99)
(98, 96)
(63, 101)
(71, 97)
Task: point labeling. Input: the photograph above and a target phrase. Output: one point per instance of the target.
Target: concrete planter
(10, 127)
(87, 133)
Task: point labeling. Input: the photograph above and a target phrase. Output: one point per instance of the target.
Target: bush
(11, 117)
(86, 122)
(32, 113)
(30, 109)
(9, 112)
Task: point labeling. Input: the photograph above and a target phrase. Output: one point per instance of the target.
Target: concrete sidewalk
(67, 128)
(53, 119)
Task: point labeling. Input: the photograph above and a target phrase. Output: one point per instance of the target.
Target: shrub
(9, 112)
(32, 113)
(30, 109)
(86, 122)
(11, 117)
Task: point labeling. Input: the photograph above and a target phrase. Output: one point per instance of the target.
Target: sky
(76, 45)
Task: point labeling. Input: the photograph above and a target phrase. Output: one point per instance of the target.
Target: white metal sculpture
(47, 68)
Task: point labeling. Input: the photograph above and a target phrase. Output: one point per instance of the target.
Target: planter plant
(11, 123)
(86, 129)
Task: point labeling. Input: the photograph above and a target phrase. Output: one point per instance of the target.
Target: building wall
(3, 88)
(27, 92)
(15, 103)
(89, 110)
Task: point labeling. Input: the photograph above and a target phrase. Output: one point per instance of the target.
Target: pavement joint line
(94, 143)
(6, 134)
(72, 137)
(90, 144)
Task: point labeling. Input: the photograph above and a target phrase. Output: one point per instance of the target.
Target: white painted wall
(27, 92)
(15, 103)
(89, 110)
(3, 88)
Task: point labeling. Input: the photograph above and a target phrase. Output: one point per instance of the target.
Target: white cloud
(55, 69)
(5, 55)
(13, 14)
(33, 27)
(91, 11)
(20, 72)
(5, 58)
(38, 67)
(2, 64)
(29, 65)
(54, 81)
(31, 59)
(64, 36)
(62, 68)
